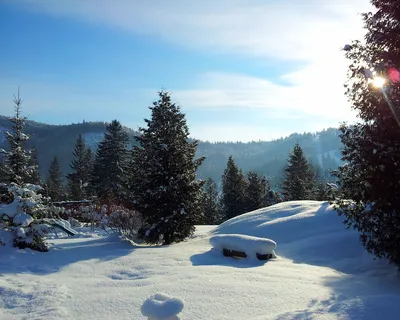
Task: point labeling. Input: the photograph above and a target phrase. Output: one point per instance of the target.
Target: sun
(378, 82)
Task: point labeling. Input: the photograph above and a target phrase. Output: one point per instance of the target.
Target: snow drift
(307, 232)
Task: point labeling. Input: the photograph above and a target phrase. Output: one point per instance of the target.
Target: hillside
(323, 148)
(322, 272)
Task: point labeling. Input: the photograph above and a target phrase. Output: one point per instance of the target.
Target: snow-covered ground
(321, 272)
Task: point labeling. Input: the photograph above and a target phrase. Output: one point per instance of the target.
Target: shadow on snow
(63, 254)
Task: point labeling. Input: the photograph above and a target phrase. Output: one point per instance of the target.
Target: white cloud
(297, 29)
(318, 90)
(310, 31)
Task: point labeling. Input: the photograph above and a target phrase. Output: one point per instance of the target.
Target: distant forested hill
(323, 148)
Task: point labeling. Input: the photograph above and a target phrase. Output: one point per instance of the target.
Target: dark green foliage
(372, 146)
(299, 177)
(33, 163)
(267, 158)
(16, 168)
(37, 244)
(233, 198)
(110, 167)
(257, 192)
(164, 184)
(54, 182)
(210, 203)
(81, 165)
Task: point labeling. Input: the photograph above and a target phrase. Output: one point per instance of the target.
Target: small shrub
(123, 221)
(19, 214)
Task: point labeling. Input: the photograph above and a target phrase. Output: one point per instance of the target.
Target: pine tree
(33, 163)
(110, 167)
(233, 198)
(299, 177)
(210, 203)
(164, 184)
(54, 181)
(81, 165)
(16, 168)
(257, 192)
(371, 175)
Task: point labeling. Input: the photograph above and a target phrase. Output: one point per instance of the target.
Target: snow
(23, 219)
(248, 244)
(11, 209)
(161, 306)
(322, 272)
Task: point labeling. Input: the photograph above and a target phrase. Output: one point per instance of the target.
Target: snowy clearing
(322, 272)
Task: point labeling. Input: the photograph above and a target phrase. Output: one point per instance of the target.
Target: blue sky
(240, 70)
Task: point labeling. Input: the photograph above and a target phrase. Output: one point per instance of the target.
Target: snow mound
(307, 232)
(248, 244)
(161, 306)
(23, 219)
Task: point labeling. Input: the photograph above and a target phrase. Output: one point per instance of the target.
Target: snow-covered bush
(21, 206)
(122, 220)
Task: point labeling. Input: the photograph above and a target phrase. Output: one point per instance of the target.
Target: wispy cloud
(296, 29)
(310, 32)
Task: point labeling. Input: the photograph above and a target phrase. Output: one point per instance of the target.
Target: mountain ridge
(265, 157)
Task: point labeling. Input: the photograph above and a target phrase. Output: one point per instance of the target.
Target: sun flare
(378, 82)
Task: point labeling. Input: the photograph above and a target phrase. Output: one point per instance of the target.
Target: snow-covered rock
(248, 244)
(162, 307)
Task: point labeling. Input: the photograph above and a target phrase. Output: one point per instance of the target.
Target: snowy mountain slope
(98, 277)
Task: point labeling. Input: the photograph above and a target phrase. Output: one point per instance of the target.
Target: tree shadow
(63, 255)
(215, 257)
(368, 296)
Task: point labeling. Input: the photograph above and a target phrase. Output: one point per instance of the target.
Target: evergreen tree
(33, 163)
(299, 177)
(81, 166)
(211, 208)
(16, 168)
(233, 198)
(164, 184)
(256, 192)
(111, 164)
(372, 146)
(54, 181)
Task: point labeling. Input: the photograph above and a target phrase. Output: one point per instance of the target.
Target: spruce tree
(164, 185)
(110, 167)
(233, 198)
(35, 176)
(54, 181)
(299, 177)
(81, 165)
(210, 203)
(370, 178)
(257, 192)
(16, 168)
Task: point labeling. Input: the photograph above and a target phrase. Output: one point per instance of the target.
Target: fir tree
(299, 177)
(33, 163)
(233, 198)
(16, 168)
(257, 192)
(164, 184)
(371, 150)
(54, 181)
(210, 201)
(81, 166)
(111, 164)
